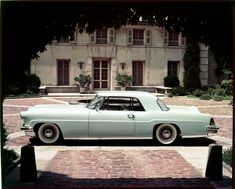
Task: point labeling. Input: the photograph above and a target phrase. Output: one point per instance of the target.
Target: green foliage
(228, 86)
(198, 92)
(191, 79)
(205, 97)
(28, 82)
(217, 97)
(228, 156)
(191, 65)
(179, 91)
(171, 81)
(124, 80)
(32, 82)
(83, 80)
(8, 156)
(216, 91)
(3, 135)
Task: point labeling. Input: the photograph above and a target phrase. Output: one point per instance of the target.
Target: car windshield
(162, 105)
(95, 103)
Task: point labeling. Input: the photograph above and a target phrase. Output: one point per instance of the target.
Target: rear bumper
(28, 131)
(212, 129)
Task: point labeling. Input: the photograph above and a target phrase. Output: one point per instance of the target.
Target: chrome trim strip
(107, 138)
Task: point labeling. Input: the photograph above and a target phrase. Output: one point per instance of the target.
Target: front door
(63, 72)
(113, 119)
(101, 74)
(137, 72)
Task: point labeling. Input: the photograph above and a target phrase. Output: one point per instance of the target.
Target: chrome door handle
(131, 116)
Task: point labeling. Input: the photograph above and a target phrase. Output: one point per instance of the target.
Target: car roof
(136, 94)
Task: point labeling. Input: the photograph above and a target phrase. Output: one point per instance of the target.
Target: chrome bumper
(212, 129)
(28, 131)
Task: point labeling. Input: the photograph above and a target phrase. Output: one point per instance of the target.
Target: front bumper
(28, 131)
(212, 129)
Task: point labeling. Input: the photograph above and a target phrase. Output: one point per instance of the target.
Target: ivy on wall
(191, 65)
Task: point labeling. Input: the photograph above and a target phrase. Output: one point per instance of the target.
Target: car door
(113, 118)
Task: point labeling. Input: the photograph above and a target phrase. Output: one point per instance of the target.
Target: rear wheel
(166, 134)
(48, 133)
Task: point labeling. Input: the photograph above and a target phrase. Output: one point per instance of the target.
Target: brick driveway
(120, 168)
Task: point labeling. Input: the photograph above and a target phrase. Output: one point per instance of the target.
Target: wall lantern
(80, 64)
(123, 65)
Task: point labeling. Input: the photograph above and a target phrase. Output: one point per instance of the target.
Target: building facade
(148, 53)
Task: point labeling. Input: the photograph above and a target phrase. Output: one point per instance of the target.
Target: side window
(122, 104)
(116, 104)
(136, 105)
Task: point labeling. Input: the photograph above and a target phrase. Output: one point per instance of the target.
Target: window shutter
(148, 37)
(165, 37)
(129, 36)
(182, 40)
(111, 38)
(92, 37)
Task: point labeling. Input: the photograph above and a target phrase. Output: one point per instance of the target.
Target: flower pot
(82, 89)
(123, 88)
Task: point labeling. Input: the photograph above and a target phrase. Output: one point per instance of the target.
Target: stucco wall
(155, 57)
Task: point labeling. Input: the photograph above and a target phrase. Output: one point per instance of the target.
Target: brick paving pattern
(120, 168)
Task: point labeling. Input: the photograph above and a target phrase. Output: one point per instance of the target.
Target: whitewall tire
(166, 134)
(48, 133)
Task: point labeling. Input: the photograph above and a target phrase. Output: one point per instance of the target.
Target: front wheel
(48, 133)
(166, 134)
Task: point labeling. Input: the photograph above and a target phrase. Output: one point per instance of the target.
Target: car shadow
(128, 143)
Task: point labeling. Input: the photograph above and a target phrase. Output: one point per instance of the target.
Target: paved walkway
(110, 163)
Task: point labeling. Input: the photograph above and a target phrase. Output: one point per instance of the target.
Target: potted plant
(84, 81)
(124, 80)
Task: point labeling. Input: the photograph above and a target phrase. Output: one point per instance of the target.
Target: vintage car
(117, 115)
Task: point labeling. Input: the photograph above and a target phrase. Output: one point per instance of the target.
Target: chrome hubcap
(166, 134)
(48, 133)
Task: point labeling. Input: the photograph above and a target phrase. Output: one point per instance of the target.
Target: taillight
(212, 121)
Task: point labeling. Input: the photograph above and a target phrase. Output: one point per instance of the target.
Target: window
(101, 36)
(173, 68)
(173, 38)
(63, 72)
(121, 104)
(148, 37)
(162, 105)
(137, 73)
(100, 74)
(138, 37)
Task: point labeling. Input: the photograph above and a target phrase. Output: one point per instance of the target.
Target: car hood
(193, 109)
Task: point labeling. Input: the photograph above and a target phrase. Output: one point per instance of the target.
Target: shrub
(32, 83)
(198, 92)
(228, 86)
(217, 91)
(179, 91)
(228, 156)
(205, 97)
(83, 80)
(171, 81)
(8, 156)
(124, 80)
(217, 97)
